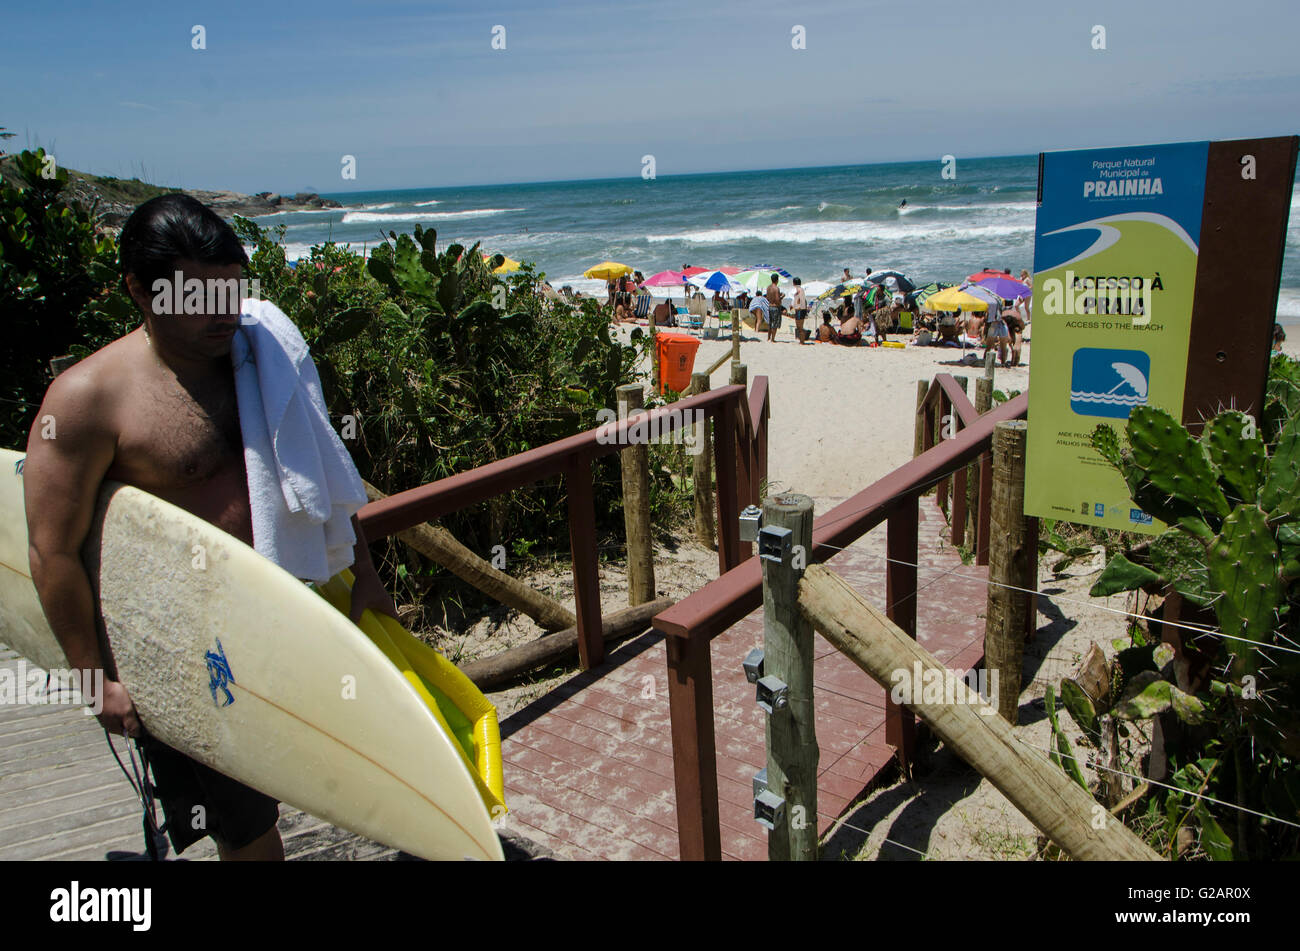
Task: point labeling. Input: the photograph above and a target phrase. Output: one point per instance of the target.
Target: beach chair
(642, 311)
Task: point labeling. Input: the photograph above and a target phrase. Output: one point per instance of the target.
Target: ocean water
(813, 222)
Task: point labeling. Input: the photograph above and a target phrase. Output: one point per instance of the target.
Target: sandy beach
(842, 417)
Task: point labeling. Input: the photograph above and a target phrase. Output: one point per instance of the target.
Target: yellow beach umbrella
(509, 266)
(607, 271)
(953, 298)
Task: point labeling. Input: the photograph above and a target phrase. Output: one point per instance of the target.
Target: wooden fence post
(746, 490)
(586, 562)
(983, 403)
(702, 470)
(634, 461)
(725, 452)
(1013, 564)
(695, 761)
(735, 335)
(918, 438)
(959, 484)
(651, 331)
(901, 548)
(791, 730)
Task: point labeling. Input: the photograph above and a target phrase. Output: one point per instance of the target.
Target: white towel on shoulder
(303, 487)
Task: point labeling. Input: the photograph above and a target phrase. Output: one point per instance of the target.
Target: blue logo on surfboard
(1109, 382)
(219, 675)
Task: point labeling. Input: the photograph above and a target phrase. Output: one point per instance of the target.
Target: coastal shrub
(1231, 701)
(57, 286)
(444, 366)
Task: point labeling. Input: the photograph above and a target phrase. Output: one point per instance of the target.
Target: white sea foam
(431, 201)
(353, 217)
(861, 232)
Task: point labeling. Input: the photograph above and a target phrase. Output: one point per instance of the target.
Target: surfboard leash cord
(143, 788)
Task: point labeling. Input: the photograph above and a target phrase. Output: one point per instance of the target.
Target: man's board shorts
(231, 811)
(996, 329)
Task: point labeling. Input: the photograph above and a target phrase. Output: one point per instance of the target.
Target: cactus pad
(1237, 452)
(1173, 462)
(1244, 569)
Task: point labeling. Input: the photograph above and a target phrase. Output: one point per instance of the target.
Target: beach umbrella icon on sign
(1132, 376)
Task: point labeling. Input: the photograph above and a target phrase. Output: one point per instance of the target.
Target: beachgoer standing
(773, 296)
(800, 309)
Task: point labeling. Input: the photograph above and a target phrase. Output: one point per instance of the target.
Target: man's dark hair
(168, 228)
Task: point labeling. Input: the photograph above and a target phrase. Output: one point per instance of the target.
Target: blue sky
(416, 93)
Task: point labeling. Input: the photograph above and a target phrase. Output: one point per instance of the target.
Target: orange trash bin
(676, 360)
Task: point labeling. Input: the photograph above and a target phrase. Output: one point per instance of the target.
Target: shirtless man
(156, 409)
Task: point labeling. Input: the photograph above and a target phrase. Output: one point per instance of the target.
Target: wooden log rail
(1049, 798)
(740, 435)
(694, 621)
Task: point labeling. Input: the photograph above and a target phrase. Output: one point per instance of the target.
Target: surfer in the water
(156, 409)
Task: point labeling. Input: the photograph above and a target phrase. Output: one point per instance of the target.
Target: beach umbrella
(921, 293)
(814, 289)
(714, 281)
(759, 280)
(607, 271)
(730, 269)
(987, 272)
(509, 266)
(665, 279)
(840, 291)
(953, 298)
(693, 270)
(984, 294)
(905, 285)
(1005, 287)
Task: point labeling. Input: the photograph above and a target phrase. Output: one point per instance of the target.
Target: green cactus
(1237, 452)
(1173, 462)
(1280, 495)
(1180, 561)
(1062, 752)
(1106, 441)
(1243, 568)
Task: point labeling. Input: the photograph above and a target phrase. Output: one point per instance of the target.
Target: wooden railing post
(791, 729)
(746, 486)
(586, 568)
(959, 489)
(983, 403)
(918, 437)
(695, 762)
(702, 470)
(945, 416)
(634, 461)
(735, 335)
(1013, 565)
(901, 548)
(724, 451)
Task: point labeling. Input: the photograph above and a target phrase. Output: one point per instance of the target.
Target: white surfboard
(236, 663)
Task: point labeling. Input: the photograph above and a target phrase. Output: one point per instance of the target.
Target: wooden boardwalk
(589, 769)
(64, 797)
